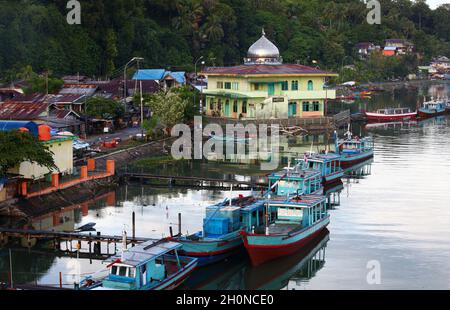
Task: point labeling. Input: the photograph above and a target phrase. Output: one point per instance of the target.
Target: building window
(235, 86)
(294, 85)
(219, 104)
(235, 106)
(310, 85)
(244, 107)
(306, 106)
(220, 85)
(257, 87)
(316, 106)
(284, 85)
(227, 85)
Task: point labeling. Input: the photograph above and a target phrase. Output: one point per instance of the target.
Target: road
(123, 134)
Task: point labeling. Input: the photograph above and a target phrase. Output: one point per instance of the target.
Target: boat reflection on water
(237, 273)
(277, 274)
(359, 171)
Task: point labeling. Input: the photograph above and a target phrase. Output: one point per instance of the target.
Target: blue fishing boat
(148, 266)
(353, 149)
(432, 108)
(328, 164)
(290, 223)
(220, 236)
(294, 180)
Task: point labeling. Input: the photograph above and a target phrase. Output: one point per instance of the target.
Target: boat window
(114, 270)
(122, 271)
(132, 272)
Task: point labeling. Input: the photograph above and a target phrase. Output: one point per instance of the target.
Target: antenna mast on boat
(267, 215)
(231, 196)
(124, 242)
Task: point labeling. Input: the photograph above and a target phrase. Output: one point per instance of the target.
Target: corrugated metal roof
(178, 76)
(22, 110)
(149, 74)
(286, 69)
(81, 89)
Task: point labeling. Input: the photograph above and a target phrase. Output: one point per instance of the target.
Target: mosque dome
(263, 52)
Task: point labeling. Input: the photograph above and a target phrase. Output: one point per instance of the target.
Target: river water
(390, 231)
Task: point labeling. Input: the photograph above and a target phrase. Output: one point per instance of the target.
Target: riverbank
(70, 197)
(387, 85)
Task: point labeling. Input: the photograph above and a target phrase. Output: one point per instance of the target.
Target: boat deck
(282, 229)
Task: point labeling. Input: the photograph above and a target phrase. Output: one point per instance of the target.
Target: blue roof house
(166, 79)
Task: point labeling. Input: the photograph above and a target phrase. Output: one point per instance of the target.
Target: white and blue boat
(328, 164)
(289, 225)
(147, 266)
(432, 108)
(222, 224)
(353, 149)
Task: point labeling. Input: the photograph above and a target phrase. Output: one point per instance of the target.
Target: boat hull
(428, 114)
(376, 117)
(332, 178)
(209, 251)
(262, 248)
(178, 278)
(348, 161)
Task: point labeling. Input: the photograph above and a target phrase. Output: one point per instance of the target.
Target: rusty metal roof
(286, 69)
(22, 110)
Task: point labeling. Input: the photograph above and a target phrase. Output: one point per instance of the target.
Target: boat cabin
(327, 164)
(295, 213)
(143, 267)
(393, 111)
(434, 105)
(354, 145)
(295, 180)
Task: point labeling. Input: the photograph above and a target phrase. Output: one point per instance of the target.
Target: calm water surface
(398, 216)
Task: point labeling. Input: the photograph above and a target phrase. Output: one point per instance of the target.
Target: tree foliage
(103, 108)
(169, 107)
(17, 147)
(173, 33)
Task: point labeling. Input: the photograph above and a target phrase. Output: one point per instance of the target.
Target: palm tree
(212, 29)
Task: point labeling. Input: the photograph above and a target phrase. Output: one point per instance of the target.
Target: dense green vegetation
(173, 33)
(99, 107)
(17, 147)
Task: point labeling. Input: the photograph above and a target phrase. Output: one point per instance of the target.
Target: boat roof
(295, 173)
(322, 157)
(254, 206)
(145, 252)
(302, 201)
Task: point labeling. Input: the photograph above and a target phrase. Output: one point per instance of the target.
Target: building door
(292, 109)
(227, 109)
(271, 88)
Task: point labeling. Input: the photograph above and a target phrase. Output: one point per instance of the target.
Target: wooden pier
(194, 182)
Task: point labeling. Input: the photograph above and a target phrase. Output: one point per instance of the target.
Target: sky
(435, 3)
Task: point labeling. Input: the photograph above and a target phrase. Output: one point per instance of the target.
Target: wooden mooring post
(179, 224)
(133, 225)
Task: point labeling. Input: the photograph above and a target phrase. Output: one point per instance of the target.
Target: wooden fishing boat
(294, 180)
(148, 266)
(290, 224)
(353, 149)
(328, 164)
(224, 221)
(220, 236)
(303, 264)
(432, 108)
(390, 114)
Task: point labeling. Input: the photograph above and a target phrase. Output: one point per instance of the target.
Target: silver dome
(263, 52)
(263, 48)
